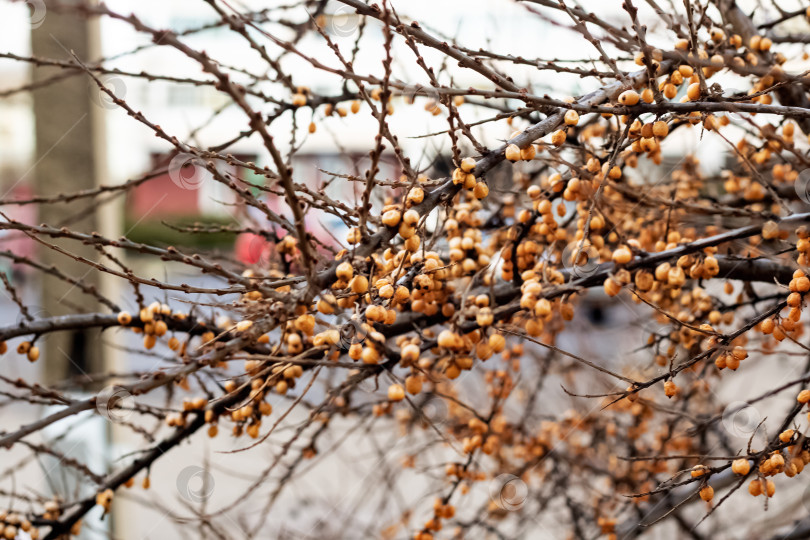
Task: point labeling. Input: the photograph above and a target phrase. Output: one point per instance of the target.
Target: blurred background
(60, 134)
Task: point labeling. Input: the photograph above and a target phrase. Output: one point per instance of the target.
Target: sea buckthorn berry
(146, 315)
(344, 271)
(629, 98)
(528, 153)
(326, 304)
(786, 435)
(622, 256)
(571, 117)
(803, 397)
(717, 35)
(413, 384)
(33, 354)
(770, 230)
(660, 129)
(124, 318)
(459, 176)
(410, 353)
(391, 218)
(707, 493)
(481, 190)
(467, 164)
(558, 137)
(612, 287)
(160, 328)
(354, 236)
(670, 389)
(644, 280)
(410, 217)
(497, 342)
(711, 266)
(241, 326)
(104, 499)
(512, 152)
(416, 195)
(484, 317)
(740, 466)
(693, 92)
(396, 392)
(359, 284)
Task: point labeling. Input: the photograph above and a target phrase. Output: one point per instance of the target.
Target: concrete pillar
(69, 157)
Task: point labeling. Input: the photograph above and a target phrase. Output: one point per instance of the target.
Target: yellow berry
(481, 190)
(241, 326)
(740, 466)
(396, 392)
(660, 129)
(622, 256)
(693, 92)
(512, 152)
(707, 493)
(629, 98)
(558, 137)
